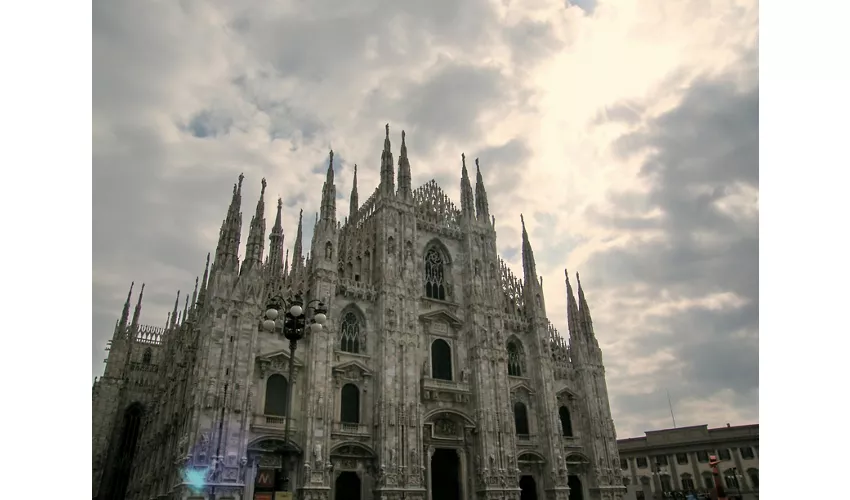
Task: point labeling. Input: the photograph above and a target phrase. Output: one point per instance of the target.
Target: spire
(353, 204)
(387, 181)
(482, 208)
(174, 312)
(404, 189)
(276, 244)
(529, 268)
(254, 250)
(125, 313)
(185, 308)
(572, 311)
(328, 207)
(584, 312)
(296, 251)
(137, 313)
(227, 251)
(467, 202)
(203, 293)
(286, 263)
(195, 294)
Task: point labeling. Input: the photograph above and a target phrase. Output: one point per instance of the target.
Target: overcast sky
(626, 131)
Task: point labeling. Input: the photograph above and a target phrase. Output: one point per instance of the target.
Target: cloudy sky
(625, 131)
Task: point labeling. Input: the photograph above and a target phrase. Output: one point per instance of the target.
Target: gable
(522, 388)
(441, 316)
(352, 369)
(280, 357)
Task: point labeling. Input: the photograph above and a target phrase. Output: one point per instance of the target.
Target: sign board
(265, 478)
(282, 495)
(263, 496)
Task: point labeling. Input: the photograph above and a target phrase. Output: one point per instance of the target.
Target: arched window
(441, 360)
(515, 367)
(521, 419)
(708, 480)
(350, 404)
(754, 477)
(350, 333)
(146, 357)
(687, 482)
(566, 421)
(435, 287)
(277, 390)
(731, 479)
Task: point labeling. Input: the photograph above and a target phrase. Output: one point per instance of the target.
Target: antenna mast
(670, 403)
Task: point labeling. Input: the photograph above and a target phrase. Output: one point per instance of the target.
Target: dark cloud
(701, 163)
(209, 123)
(588, 6)
(502, 165)
(446, 104)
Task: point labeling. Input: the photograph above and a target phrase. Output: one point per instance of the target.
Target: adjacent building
(670, 463)
(438, 374)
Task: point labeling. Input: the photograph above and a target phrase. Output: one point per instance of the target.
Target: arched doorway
(131, 427)
(445, 474)
(528, 487)
(576, 491)
(347, 486)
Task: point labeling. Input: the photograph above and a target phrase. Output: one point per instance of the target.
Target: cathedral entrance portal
(347, 486)
(445, 474)
(528, 487)
(576, 491)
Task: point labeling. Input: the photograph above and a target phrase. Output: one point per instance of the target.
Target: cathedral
(435, 376)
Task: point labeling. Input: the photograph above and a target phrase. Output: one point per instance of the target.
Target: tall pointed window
(435, 287)
(277, 390)
(146, 357)
(441, 360)
(521, 419)
(515, 358)
(350, 403)
(350, 333)
(566, 421)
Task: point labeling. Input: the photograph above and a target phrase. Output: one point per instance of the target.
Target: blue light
(195, 477)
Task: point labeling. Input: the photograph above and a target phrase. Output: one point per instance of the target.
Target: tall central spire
(387, 176)
(353, 203)
(482, 208)
(276, 244)
(254, 250)
(404, 188)
(529, 267)
(297, 249)
(467, 202)
(227, 251)
(328, 207)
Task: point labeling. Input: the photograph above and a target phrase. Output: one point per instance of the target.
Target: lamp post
(295, 324)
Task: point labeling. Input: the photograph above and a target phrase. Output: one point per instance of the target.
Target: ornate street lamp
(295, 324)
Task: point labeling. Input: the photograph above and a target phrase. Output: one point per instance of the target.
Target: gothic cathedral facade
(437, 376)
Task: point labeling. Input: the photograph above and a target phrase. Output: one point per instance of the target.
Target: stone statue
(317, 455)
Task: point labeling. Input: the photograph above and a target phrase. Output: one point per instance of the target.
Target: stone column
(428, 465)
(251, 477)
(698, 482)
(461, 457)
(744, 480)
